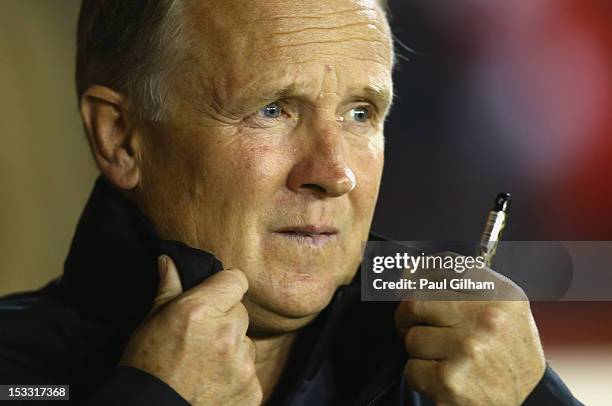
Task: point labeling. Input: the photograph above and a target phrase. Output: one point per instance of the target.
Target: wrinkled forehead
(249, 37)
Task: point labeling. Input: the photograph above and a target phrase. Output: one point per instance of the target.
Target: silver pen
(494, 227)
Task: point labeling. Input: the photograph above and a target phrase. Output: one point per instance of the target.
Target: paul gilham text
(425, 284)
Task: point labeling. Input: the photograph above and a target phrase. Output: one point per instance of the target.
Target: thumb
(169, 282)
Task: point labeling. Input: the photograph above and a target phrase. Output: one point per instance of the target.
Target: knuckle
(492, 319)
(226, 339)
(241, 312)
(412, 336)
(248, 371)
(190, 309)
(236, 278)
(227, 330)
(469, 346)
(225, 346)
(448, 379)
(245, 374)
(411, 307)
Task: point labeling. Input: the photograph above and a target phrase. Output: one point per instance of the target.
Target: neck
(272, 354)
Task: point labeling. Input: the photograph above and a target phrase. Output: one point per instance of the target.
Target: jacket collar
(110, 273)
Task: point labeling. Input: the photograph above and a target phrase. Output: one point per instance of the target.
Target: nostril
(315, 187)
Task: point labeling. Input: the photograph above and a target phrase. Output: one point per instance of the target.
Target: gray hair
(126, 45)
(133, 46)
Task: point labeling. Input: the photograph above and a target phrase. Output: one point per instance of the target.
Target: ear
(113, 140)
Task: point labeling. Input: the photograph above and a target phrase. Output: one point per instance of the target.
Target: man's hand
(471, 352)
(196, 341)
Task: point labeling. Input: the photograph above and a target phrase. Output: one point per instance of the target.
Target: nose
(323, 170)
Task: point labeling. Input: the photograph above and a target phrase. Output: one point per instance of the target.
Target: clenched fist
(196, 341)
(472, 351)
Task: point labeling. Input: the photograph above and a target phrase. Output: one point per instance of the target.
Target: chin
(289, 302)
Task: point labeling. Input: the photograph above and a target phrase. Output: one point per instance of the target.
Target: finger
(239, 315)
(429, 343)
(169, 282)
(435, 313)
(421, 375)
(505, 288)
(221, 291)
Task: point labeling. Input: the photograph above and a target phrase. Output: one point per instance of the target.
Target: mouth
(310, 235)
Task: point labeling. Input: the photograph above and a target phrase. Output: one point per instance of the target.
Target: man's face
(273, 157)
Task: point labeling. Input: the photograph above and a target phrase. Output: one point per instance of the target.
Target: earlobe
(105, 116)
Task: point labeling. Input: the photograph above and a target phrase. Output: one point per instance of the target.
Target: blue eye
(272, 110)
(360, 114)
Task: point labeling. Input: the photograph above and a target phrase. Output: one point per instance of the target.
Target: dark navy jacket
(73, 331)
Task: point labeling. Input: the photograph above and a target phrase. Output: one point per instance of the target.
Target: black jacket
(73, 331)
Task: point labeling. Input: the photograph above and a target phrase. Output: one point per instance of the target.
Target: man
(252, 131)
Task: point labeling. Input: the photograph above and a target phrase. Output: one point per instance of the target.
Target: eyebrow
(291, 90)
(249, 100)
(381, 94)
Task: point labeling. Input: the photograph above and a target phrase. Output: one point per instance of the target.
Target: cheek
(195, 183)
(255, 172)
(367, 165)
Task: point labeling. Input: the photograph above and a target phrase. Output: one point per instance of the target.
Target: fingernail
(162, 265)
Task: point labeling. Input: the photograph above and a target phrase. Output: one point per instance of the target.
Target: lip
(309, 235)
(308, 230)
